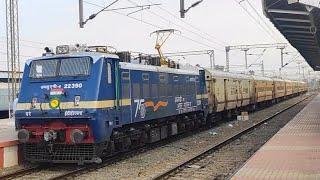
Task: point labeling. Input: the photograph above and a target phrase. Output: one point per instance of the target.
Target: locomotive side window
(109, 73)
(145, 87)
(145, 77)
(175, 78)
(161, 78)
(125, 76)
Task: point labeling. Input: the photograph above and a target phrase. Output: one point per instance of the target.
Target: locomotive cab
(61, 99)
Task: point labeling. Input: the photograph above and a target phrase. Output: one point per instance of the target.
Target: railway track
(204, 160)
(21, 172)
(77, 171)
(54, 173)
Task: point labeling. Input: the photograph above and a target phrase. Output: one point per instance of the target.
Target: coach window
(109, 73)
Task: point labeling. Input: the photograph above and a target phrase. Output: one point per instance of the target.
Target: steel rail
(167, 174)
(21, 172)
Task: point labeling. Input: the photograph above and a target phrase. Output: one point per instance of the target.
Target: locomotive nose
(23, 135)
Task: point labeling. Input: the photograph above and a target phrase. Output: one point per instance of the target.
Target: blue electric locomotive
(76, 107)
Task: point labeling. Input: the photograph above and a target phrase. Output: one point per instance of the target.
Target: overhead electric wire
(261, 18)
(214, 39)
(155, 26)
(254, 18)
(30, 41)
(168, 20)
(92, 16)
(5, 53)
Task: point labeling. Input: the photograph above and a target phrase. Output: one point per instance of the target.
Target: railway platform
(9, 146)
(293, 153)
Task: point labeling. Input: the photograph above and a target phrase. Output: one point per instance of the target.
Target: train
(81, 104)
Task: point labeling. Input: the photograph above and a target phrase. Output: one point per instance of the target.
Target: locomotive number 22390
(73, 86)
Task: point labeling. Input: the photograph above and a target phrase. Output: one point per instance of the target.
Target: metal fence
(4, 100)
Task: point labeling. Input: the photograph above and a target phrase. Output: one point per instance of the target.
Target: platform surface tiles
(293, 153)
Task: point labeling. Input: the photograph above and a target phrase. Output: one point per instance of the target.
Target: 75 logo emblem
(140, 107)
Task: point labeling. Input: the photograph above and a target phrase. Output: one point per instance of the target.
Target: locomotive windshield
(61, 67)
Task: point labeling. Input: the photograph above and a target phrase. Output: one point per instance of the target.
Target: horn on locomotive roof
(48, 51)
(162, 37)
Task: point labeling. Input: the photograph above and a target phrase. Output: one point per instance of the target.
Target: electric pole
(246, 48)
(246, 57)
(81, 21)
(212, 59)
(13, 61)
(227, 59)
(281, 49)
(183, 11)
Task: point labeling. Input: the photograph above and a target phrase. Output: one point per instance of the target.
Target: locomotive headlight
(76, 100)
(23, 135)
(77, 136)
(50, 135)
(64, 49)
(34, 102)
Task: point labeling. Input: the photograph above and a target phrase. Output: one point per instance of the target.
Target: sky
(213, 24)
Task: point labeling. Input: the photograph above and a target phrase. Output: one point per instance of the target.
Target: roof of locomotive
(94, 55)
(141, 67)
(97, 55)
